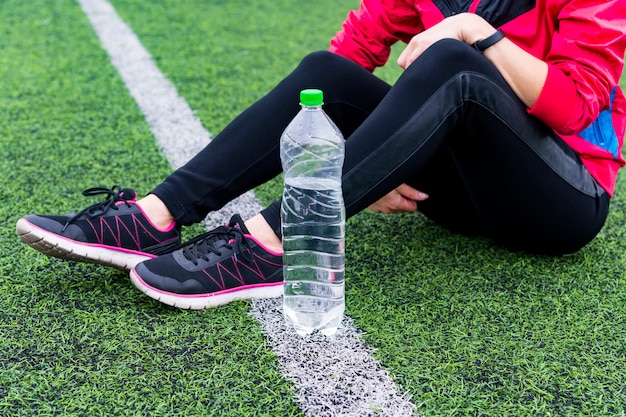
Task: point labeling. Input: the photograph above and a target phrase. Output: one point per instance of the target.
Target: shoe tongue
(128, 194)
(237, 221)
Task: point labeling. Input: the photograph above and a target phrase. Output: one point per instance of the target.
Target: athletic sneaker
(114, 232)
(223, 265)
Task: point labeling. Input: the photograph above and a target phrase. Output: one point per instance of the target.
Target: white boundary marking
(333, 376)
(179, 133)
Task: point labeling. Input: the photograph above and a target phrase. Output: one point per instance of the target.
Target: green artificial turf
(80, 339)
(464, 326)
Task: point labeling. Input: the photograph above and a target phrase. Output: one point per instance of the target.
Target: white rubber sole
(60, 247)
(203, 301)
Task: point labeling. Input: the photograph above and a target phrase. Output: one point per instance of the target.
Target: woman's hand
(403, 199)
(465, 27)
(525, 73)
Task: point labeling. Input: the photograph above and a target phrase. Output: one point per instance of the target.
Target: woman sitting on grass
(507, 122)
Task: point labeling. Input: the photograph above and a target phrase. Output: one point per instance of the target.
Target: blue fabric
(601, 132)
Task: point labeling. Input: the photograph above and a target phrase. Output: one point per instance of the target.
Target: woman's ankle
(261, 230)
(156, 211)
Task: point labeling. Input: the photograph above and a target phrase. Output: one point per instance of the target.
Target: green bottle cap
(311, 97)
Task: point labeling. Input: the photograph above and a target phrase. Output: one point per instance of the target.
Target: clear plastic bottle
(313, 219)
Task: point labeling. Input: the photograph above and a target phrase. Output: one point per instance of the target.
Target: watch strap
(482, 45)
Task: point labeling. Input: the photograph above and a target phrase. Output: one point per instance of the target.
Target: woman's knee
(324, 61)
(448, 58)
(452, 49)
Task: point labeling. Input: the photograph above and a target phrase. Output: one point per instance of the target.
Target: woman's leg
(246, 153)
(503, 190)
(504, 172)
(452, 127)
(121, 231)
(520, 183)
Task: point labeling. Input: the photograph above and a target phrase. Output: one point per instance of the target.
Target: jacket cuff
(557, 101)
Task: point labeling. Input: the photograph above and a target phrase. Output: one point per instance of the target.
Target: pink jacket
(583, 42)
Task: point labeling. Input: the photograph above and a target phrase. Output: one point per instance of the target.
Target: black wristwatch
(481, 46)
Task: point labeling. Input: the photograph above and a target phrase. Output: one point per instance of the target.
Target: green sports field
(464, 327)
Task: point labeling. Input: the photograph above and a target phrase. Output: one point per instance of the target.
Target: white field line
(332, 376)
(179, 133)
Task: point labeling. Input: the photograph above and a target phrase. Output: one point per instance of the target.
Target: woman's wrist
(474, 28)
(484, 44)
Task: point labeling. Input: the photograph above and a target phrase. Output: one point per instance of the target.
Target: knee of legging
(318, 59)
(323, 63)
(452, 48)
(448, 58)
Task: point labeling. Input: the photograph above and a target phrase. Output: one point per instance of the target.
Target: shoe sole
(204, 301)
(59, 247)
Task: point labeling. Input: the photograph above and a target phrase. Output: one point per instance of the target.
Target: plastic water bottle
(313, 219)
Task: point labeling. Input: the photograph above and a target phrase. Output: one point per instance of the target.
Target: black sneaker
(223, 265)
(113, 232)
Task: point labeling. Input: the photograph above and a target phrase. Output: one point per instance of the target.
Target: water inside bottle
(313, 239)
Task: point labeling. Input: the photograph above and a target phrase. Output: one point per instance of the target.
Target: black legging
(450, 126)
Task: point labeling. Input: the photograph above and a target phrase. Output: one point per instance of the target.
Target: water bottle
(313, 219)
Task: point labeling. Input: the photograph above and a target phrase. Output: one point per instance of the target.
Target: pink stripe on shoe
(205, 295)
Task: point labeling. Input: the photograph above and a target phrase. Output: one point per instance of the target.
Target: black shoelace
(202, 246)
(115, 194)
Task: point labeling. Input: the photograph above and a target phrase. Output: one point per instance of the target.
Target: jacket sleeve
(585, 64)
(368, 33)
